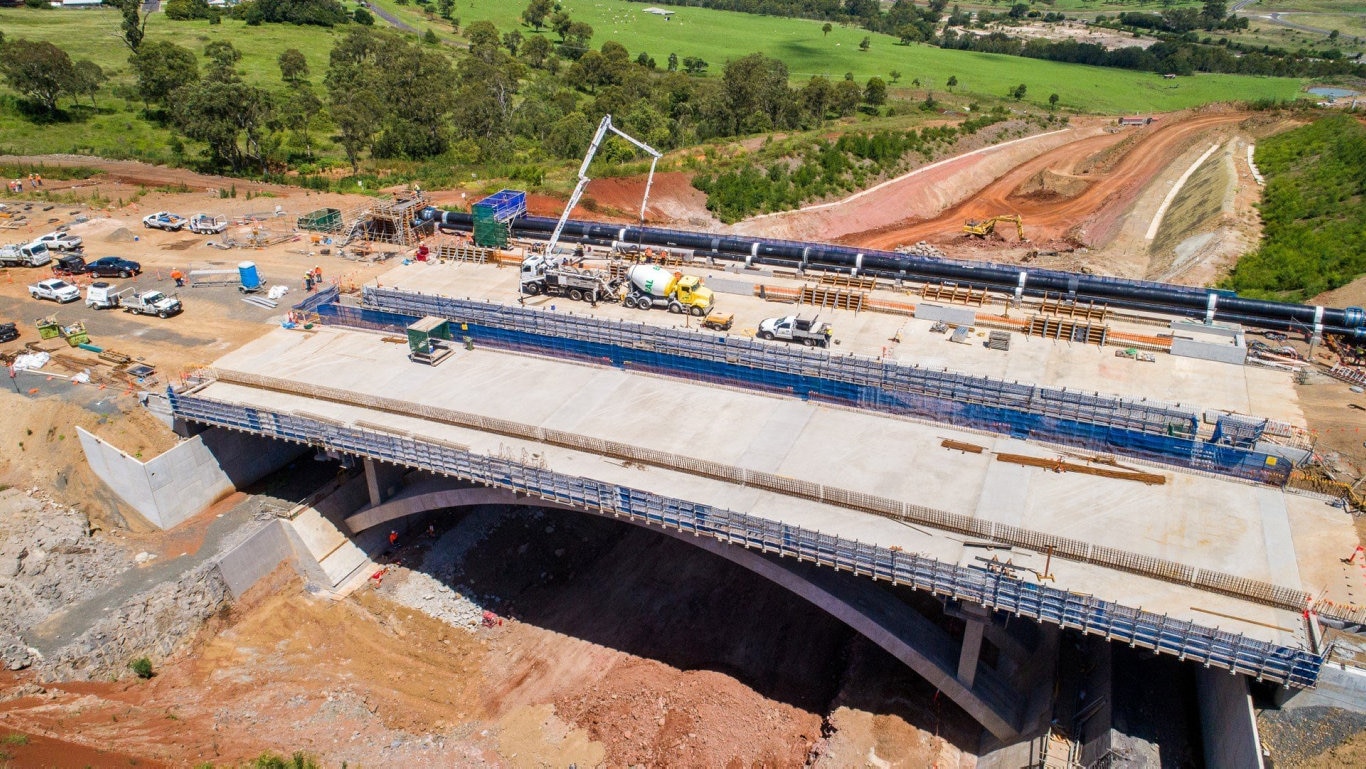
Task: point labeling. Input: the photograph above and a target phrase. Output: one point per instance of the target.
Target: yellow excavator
(986, 227)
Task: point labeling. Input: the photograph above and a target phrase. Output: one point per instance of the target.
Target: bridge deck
(1207, 384)
(1228, 526)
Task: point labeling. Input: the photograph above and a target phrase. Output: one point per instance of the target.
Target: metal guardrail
(1061, 547)
(1147, 429)
(1162, 634)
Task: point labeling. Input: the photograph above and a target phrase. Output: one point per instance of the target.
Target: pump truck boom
(603, 128)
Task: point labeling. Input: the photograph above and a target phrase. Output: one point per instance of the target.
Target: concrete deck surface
(1187, 381)
(1231, 526)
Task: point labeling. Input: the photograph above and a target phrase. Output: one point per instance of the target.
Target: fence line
(1162, 634)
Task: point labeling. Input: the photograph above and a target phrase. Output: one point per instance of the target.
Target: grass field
(717, 36)
(114, 130)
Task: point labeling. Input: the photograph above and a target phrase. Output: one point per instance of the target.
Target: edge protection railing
(1160, 633)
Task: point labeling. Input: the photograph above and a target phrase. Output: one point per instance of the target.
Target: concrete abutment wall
(1228, 724)
(173, 487)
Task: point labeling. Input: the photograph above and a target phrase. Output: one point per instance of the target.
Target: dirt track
(1089, 216)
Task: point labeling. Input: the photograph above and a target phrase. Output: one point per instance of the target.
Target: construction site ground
(353, 680)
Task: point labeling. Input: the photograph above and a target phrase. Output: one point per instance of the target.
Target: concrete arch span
(983, 693)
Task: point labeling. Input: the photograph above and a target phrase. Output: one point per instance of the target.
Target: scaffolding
(493, 216)
(394, 221)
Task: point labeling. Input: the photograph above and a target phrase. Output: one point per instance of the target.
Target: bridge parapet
(1088, 614)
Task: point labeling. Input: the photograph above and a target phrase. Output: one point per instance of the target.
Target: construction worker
(39, 179)
(178, 277)
(317, 275)
(393, 537)
(308, 281)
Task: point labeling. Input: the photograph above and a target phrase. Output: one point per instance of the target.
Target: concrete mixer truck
(649, 285)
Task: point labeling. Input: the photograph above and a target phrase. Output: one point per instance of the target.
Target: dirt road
(1105, 190)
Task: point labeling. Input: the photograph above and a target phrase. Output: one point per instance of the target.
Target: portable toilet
(251, 279)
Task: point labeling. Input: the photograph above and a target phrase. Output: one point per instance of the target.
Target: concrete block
(958, 316)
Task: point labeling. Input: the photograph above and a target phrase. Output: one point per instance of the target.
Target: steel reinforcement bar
(1183, 639)
(1146, 429)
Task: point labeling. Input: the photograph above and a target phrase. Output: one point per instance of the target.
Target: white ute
(56, 290)
(163, 220)
(61, 241)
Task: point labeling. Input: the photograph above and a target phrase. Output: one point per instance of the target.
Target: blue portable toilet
(251, 279)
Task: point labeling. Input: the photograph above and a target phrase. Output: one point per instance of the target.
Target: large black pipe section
(1184, 301)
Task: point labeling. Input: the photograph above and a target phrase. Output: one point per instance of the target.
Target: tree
(161, 67)
(429, 37)
(865, 43)
(512, 41)
(816, 96)
(825, 29)
(298, 111)
(182, 10)
(875, 93)
(445, 9)
(363, 17)
(1019, 10)
(483, 35)
(694, 65)
(223, 58)
(134, 24)
(87, 77)
(560, 22)
(756, 93)
(293, 66)
(894, 75)
(673, 62)
(847, 96)
(576, 39)
(953, 82)
(1052, 101)
(536, 13)
(1213, 12)
(218, 113)
(1018, 92)
(39, 70)
(535, 50)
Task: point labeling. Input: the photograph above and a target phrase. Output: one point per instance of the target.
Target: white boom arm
(603, 128)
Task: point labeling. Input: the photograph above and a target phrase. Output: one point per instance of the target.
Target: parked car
(61, 241)
(8, 332)
(110, 266)
(57, 290)
(70, 264)
(163, 220)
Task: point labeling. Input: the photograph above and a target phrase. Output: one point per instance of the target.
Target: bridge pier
(977, 618)
(382, 480)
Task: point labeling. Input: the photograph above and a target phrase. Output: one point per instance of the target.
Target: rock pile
(920, 249)
(50, 559)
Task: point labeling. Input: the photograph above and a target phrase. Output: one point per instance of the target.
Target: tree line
(528, 95)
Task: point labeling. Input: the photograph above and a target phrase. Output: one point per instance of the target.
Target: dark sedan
(113, 266)
(8, 331)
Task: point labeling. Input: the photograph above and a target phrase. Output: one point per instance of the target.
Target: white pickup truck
(61, 241)
(163, 220)
(791, 328)
(55, 289)
(33, 254)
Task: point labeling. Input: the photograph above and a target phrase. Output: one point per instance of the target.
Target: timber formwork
(832, 298)
(394, 221)
(1068, 330)
(954, 292)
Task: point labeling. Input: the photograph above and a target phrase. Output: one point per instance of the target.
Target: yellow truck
(649, 285)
